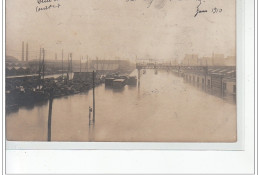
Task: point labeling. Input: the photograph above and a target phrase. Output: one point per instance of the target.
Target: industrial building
(219, 81)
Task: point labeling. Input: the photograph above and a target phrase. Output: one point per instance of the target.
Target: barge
(132, 80)
(119, 83)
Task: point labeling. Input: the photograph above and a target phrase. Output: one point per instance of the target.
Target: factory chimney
(26, 52)
(23, 51)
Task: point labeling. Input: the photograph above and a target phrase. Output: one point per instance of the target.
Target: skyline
(57, 57)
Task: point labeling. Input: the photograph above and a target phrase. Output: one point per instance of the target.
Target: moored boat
(119, 83)
(132, 80)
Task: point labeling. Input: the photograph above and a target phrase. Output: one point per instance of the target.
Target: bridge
(140, 66)
(202, 69)
(170, 66)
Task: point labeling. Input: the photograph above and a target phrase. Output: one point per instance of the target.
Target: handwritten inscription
(43, 1)
(198, 9)
(216, 10)
(44, 5)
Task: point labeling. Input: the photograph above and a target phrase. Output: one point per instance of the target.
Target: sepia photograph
(121, 71)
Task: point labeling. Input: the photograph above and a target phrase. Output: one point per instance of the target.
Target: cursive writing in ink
(47, 7)
(150, 3)
(43, 1)
(198, 9)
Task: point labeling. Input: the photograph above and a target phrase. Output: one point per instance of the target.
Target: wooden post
(87, 63)
(62, 64)
(43, 65)
(206, 74)
(39, 80)
(94, 97)
(70, 62)
(89, 116)
(139, 75)
(68, 69)
(50, 113)
(97, 64)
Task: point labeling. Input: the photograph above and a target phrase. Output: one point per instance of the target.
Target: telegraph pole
(50, 114)
(97, 64)
(94, 97)
(70, 62)
(87, 63)
(43, 64)
(91, 126)
(39, 79)
(62, 64)
(68, 67)
(139, 75)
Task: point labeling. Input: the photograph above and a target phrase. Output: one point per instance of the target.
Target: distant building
(229, 88)
(84, 76)
(191, 60)
(218, 60)
(230, 61)
(10, 59)
(11, 71)
(220, 81)
(214, 60)
(206, 61)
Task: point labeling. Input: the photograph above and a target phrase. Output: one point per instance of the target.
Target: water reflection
(163, 108)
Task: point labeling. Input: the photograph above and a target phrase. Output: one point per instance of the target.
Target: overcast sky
(116, 28)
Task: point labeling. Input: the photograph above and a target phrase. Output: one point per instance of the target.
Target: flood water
(164, 108)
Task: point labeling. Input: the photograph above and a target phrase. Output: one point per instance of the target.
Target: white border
(147, 161)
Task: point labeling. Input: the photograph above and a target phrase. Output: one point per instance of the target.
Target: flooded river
(163, 108)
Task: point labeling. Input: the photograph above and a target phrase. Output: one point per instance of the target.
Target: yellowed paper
(180, 54)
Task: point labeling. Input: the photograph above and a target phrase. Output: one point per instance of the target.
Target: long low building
(220, 81)
(10, 71)
(84, 76)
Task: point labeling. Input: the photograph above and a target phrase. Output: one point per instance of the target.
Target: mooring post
(50, 113)
(89, 116)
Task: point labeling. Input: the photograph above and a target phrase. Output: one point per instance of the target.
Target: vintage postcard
(121, 71)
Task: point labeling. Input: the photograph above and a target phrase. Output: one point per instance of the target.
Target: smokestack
(23, 51)
(26, 51)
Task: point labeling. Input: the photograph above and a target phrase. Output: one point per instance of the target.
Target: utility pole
(43, 64)
(91, 126)
(50, 114)
(89, 116)
(87, 63)
(139, 75)
(68, 68)
(94, 97)
(70, 62)
(97, 63)
(39, 78)
(62, 64)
